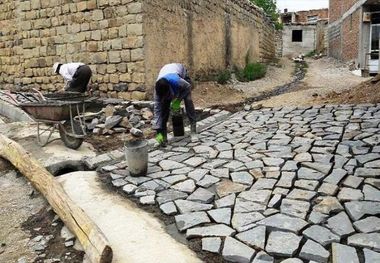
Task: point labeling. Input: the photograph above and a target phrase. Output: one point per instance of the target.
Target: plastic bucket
(136, 153)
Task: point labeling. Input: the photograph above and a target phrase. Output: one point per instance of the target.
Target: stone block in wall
(121, 67)
(82, 6)
(92, 46)
(25, 6)
(137, 95)
(85, 27)
(121, 87)
(99, 58)
(35, 4)
(135, 29)
(28, 72)
(126, 77)
(138, 66)
(116, 44)
(97, 15)
(73, 28)
(111, 68)
(114, 78)
(114, 56)
(96, 35)
(135, 7)
(124, 95)
(125, 55)
(122, 31)
(133, 42)
(138, 77)
(137, 54)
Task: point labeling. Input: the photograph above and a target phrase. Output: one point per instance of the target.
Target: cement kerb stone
(14, 113)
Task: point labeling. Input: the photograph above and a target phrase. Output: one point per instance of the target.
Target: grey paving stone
(170, 195)
(275, 201)
(321, 235)
(370, 241)
(168, 208)
(211, 244)
(254, 237)
(226, 155)
(282, 244)
(221, 173)
(226, 201)
(137, 180)
(371, 193)
(373, 181)
(119, 182)
(357, 209)
(147, 200)
(242, 178)
(317, 217)
(314, 251)
(208, 180)
(185, 206)
(187, 186)
(367, 172)
(327, 205)
(170, 165)
(236, 251)
(349, 194)
(290, 166)
(286, 179)
(201, 195)
(198, 174)
(221, 215)
(336, 176)
(303, 157)
(254, 164)
(97, 161)
(293, 260)
(214, 164)
(263, 257)
(328, 189)
(299, 194)
(129, 188)
(181, 157)
(152, 185)
(368, 225)
(218, 230)
(184, 170)
(189, 220)
(340, 225)
(257, 196)
(295, 208)
(240, 221)
(273, 161)
(280, 191)
(223, 146)
(365, 158)
(143, 192)
(245, 206)
(283, 223)
(309, 174)
(353, 181)
(195, 161)
(370, 256)
(234, 165)
(174, 178)
(264, 183)
(227, 187)
(306, 184)
(202, 149)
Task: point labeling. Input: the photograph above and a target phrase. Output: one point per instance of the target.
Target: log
(90, 236)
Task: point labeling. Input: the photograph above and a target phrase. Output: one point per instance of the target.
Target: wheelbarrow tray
(52, 110)
(66, 96)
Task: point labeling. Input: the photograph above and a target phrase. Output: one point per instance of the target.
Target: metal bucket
(136, 153)
(178, 126)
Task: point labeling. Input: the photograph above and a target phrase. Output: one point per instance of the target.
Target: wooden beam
(90, 236)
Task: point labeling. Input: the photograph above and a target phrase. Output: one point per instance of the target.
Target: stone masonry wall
(103, 33)
(125, 42)
(206, 36)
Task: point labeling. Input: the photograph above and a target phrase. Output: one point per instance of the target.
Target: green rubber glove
(175, 105)
(160, 138)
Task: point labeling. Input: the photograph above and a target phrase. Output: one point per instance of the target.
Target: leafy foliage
(270, 8)
(252, 71)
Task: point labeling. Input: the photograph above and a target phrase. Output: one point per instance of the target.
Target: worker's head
(162, 88)
(56, 67)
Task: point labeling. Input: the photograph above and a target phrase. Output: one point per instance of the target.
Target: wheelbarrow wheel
(70, 141)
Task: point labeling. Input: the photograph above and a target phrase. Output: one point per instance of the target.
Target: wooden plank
(90, 236)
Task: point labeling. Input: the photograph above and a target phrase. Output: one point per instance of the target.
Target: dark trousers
(162, 113)
(81, 79)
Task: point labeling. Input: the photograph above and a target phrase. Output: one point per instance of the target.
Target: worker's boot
(193, 128)
(165, 133)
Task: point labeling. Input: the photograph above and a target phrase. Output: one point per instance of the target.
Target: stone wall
(125, 42)
(308, 44)
(279, 44)
(302, 16)
(206, 36)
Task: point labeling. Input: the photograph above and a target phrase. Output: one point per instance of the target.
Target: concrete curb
(14, 113)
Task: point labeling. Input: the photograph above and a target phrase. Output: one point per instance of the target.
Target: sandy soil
(16, 207)
(323, 77)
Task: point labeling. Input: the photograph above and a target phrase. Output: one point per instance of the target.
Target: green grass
(223, 76)
(252, 71)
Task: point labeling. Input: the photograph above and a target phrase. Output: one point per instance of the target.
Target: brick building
(125, 42)
(354, 32)
(304, 31)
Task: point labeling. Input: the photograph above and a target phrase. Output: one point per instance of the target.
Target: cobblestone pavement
(272, 184)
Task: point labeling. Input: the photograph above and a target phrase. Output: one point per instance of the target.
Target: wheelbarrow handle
(9, 95)
(39, 94)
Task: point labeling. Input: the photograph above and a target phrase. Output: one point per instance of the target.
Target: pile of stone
(120, 118)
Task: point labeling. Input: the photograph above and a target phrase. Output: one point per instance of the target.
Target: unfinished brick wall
(302, 16)
(121, 41)
(343, 35)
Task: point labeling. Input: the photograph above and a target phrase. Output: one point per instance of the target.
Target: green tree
(270, 8)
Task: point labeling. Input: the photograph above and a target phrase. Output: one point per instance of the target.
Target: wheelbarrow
(68, 116)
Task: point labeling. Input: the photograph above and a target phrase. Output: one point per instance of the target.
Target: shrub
(311, 54)
(252, 71)
(223, 76)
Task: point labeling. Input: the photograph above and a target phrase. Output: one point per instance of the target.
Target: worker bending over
(76, 75)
